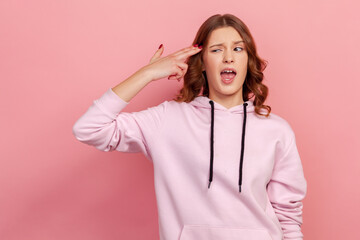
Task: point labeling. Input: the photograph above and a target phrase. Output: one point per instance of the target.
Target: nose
(228, 57)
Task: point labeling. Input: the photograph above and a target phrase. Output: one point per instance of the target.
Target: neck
(228, 101)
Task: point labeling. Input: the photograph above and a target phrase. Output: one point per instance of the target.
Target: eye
(234, 48)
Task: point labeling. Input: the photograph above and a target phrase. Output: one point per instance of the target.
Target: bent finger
(183, 66)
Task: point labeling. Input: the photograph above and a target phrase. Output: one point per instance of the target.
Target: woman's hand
(172, 66)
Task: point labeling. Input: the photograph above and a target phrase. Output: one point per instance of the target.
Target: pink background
(56, 57)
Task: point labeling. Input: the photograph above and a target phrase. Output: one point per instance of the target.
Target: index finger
(188, 53)
(184, 50)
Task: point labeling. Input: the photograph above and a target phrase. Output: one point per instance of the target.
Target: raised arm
(104, 126)
(172, 66)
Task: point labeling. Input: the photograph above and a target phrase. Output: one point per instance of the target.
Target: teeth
(228, 71)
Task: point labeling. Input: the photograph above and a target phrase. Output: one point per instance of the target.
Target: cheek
(210, 61)
(245, 59)
(243, 62)
(211, 66)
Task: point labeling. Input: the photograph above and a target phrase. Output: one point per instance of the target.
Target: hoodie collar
(203, 102)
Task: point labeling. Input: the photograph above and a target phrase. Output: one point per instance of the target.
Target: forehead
(224, 34)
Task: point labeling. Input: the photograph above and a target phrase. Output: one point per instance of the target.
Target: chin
(230, 92)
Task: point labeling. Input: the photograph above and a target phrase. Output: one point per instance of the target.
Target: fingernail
(195, 45)
(160, 46)
(200, 46)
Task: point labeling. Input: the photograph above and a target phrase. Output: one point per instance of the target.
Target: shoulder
(285, 132)
(167, 106)
(277, 125)
(281, 122)
(172, 104)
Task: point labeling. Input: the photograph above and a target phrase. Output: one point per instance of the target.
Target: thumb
(157, 54)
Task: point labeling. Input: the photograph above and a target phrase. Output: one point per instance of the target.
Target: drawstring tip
(209, 184)
(239, 188)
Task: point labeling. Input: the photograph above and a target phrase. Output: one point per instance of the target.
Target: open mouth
(228, 74)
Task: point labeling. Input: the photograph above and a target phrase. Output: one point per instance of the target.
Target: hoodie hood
(203, 102)
(207, 103)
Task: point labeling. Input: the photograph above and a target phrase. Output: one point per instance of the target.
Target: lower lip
(227, 81)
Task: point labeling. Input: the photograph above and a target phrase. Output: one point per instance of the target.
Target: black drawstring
(242, 147)
(212, 145)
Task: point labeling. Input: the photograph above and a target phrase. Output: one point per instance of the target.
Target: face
(225, 49)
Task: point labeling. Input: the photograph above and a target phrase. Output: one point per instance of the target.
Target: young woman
(224, 166)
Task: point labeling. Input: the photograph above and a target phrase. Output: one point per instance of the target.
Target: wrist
(145, 74)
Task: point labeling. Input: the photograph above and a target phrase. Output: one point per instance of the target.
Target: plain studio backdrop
(56, 57)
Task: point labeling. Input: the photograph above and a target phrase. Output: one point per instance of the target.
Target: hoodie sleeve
(105, 127)
(286, 190)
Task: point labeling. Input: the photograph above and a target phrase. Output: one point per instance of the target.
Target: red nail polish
(160, 46)
(200, 46)
(195, 45)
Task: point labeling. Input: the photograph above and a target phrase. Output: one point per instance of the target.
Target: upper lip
(232, 69)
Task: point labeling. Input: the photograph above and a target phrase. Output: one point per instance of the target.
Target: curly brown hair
(195, 80)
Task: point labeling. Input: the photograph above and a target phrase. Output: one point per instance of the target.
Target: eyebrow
(220, 44)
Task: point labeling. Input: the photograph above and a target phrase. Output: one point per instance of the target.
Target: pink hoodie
(252, 163)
